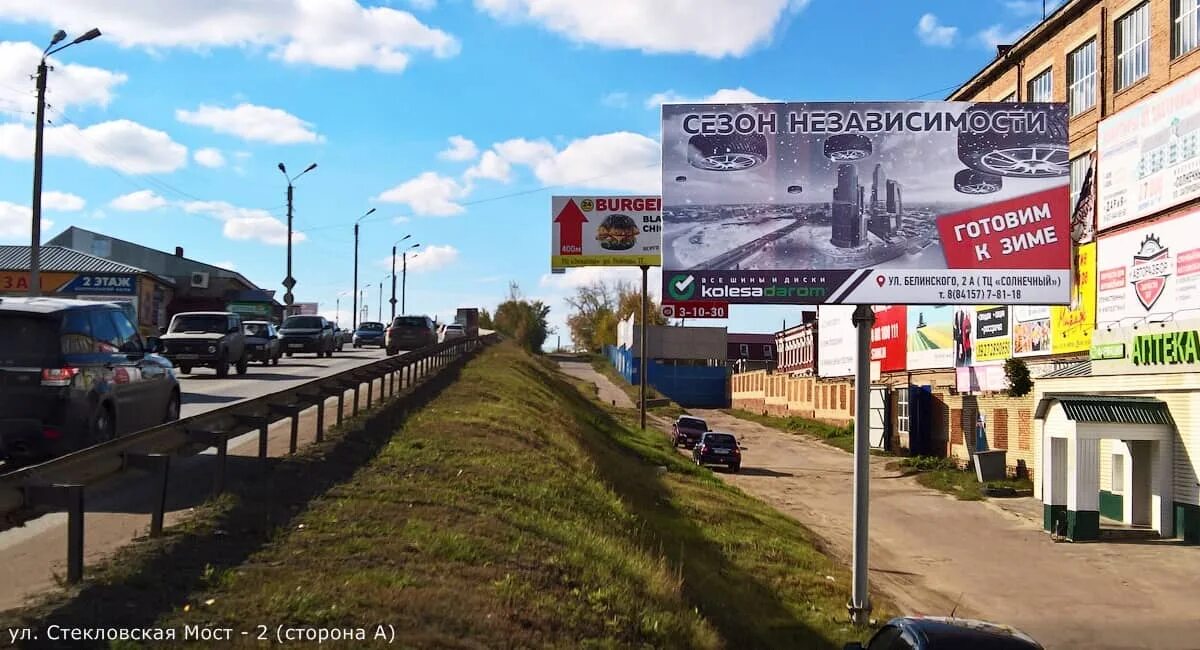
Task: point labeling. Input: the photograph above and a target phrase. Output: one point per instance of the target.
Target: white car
(451, 332)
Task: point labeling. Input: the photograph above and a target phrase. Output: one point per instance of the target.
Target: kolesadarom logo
(682, 287)
(1149, 272)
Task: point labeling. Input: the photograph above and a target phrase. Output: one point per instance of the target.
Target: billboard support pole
(642, 369)
(860, 602)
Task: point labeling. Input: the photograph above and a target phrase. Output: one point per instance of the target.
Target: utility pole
(393, 300)
(404, 284)
(381, 301)
(354, 315)
(289, 282)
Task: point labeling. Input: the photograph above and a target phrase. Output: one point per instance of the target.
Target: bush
(928, 463)
(1019, 382)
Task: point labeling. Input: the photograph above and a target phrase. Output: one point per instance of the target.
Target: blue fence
(689, 386)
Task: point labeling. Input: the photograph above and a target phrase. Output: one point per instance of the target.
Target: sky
(456, 120)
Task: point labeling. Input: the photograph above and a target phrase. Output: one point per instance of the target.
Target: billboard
(1149, 273)
(1149, 154)
(1031, 330)
(307, 308)
(993, 334)
(889, 338)
(962, 329)
(930, 337)
(866, 203)
(837, 341)
(605, 231)
(1071, 329)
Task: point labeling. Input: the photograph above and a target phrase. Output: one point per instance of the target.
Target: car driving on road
(206, 338)
(718, 449)
(686, 431)
(410, 333)
(452, 331)
(369, 334)
(306, 334)
(262, 340)
(76, 373)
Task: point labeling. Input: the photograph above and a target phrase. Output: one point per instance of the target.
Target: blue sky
(455, 119)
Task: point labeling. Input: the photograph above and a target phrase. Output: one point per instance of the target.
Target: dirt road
(929, 550)
(609, 392)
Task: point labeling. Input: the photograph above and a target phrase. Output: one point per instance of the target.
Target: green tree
(523, 321)
(597, 308)
(485, 320)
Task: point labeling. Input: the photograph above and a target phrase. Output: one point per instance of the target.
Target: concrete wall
(789, 395)
(663, 342)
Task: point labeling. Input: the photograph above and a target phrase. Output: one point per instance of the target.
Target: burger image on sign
(617, 233)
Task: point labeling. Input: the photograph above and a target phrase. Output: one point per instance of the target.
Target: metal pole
(404, 284)
(393, 283)
(643, 370)
(380, 308)
(860, 601)
(354, 313)
(288, 297)
(35, 247)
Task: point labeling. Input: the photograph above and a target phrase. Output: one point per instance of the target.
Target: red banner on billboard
(1028, 232)
(889, 338)
(695, 309)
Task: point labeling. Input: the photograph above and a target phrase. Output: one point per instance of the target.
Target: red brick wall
(1024, 430)
(999, 428)
(956, 426)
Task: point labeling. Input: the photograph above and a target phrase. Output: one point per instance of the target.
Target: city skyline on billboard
(866, 203)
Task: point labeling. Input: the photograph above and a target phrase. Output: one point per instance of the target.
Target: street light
(339, 305)
(289, 282)
(404, 278)
(363, 294)
(354, 315)
(381, 295)
(394, 272)
(35, 249)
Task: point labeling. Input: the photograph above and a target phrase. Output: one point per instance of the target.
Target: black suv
(76, 373)
(214, 339)
(307, 334)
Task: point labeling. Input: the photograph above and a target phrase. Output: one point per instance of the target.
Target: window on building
(1081, 78)
(1133, 46)
(902, 410)
(1079, 167)
(1185, 28)
(1118, 473)
(744, 350)
(768, 352)
(1011, 97)
(1041, 87)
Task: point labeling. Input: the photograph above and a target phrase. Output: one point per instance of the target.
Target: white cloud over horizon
(253, 123)
(16, 222)
(209, 157)
(460, 149)
(74, 84)
(139, 201)
(934, 34)
(739, 95)
(123, 145)
(62, 201)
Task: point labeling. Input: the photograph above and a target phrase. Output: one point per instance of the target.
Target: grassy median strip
(834, 436)
(943, 474)
(510, 511)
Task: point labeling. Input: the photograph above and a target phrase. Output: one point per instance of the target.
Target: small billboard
(605, 231)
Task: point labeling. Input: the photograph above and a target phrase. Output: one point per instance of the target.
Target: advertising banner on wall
(836, 341)
(1149, 154)
(962, 329)
(605, 231)
(1031, 330)
(866, 203)
(1149, 273)
(993, 335)
(1071, 329)
(930, 337)
(889, 338)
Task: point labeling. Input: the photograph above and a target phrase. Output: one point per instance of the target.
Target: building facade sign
(1150, 273)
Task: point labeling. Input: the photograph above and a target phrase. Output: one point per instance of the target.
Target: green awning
(1107, 409)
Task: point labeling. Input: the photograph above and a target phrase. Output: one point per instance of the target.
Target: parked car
(942, 633)
(304, 334)
(75, 373)
(410, 333)
(452, 331)
(718, 449)
(262, 339)
(686, 431)
(213, 339)
(369, 334)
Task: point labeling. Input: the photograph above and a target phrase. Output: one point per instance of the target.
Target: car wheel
(186, 370)
(275, 361)
(289, 354)
(724, 153)
(222, 366)
(243, 365)
(845, 147)
(735, 468)
(1024, 154)
(969, 181)
(103, 426)
(172, 413)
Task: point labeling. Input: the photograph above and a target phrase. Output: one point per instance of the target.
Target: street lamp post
(35, 248)
(394, 272)
(354, 313)
(404, 278)
(339, 305)
(289, 282)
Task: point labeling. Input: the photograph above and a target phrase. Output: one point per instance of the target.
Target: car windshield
(28, 340)
(370, 327)
(205, 323)
(409, 321)
(693, 423)
(257, 329)
(720, 440)
(303, 322)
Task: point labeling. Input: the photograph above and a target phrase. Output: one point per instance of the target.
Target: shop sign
(1107, 351)
(1166, 348)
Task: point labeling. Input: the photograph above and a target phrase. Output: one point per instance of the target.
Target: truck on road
(468, 317)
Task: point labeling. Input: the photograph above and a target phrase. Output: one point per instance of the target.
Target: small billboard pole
(860, 601)
(642, 369)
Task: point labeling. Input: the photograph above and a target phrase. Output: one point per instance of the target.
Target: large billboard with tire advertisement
(1149, 273)
(866, 203)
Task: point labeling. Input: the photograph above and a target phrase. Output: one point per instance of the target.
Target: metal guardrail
(60, 483)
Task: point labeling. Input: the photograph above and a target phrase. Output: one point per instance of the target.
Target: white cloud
(209, 157)
(933, 33)
(460, 149)
(712, 28)
(432, 258)
(140, 201)
(997, 35)
(400, 220)
(737, 95)
(62, 202)
(226, 265)
(245, 223)
(491, 166)
(524, 152)
(620, 161)
(615, 100)
(341, 34)
(71, 84)
(581, 277)
(429, 194)
(252, 122)
(15, 221)
(120, 144)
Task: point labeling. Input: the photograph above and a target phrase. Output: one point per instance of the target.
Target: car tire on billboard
(969, 181)
(845, 147)
(724, 153)
(1016, 154)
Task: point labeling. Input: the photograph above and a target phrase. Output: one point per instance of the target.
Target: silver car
(452, 331)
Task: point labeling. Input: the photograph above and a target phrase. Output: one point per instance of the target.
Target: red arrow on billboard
(570, 229)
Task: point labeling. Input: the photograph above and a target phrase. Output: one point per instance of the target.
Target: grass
(510, 511)
(602, 365)
(834, 436)
(943, 475)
